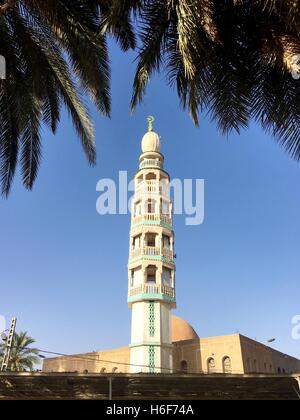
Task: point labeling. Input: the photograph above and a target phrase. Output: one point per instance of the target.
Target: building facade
(229, 354)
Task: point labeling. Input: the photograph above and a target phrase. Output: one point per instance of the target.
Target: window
(254, 366)
(249, 365)
(166, 242)
(137, 242)
(165, 207)
(211, 365)
(183, 366)
(227, 365)
(167, 277)
(138, 208)
(114, 370)
(151, 176)
(139, 179)
(151, 274)
(150, 205)
(136, 276)
(150, 239)
(103, 370)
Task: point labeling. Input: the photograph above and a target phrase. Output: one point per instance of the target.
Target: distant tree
(23, 356)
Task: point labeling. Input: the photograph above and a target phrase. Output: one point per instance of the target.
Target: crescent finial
(151, 120)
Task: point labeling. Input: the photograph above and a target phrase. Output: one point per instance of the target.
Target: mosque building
(160, 342)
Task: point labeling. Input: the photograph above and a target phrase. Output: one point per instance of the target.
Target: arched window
(279, 370)
(150, 176)
(85, 371)
(211, 365)
(227, 365)
(103, 370)
(114, 370)
(249, 365)
(254, 366)
(183, 366)
(151, 273)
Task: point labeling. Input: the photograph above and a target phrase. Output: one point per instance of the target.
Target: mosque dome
(182, 330)
(151, 142)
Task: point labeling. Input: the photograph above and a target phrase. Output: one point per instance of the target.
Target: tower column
(151, 294)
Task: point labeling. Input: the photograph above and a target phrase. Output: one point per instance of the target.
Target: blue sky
(63, 267)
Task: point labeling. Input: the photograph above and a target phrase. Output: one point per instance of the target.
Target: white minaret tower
(151, 268)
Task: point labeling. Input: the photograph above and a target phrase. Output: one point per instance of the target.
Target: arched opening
(150, 239)
(136, 276)
(85, 371)
(103, 370)
(114, 370)
(279, 370)
(150, 176)
(211, 365)
(137, 208)
(183, 366)
(227, 365)
(150, 206)
(167, 277)
(151, 274)
(139, 179)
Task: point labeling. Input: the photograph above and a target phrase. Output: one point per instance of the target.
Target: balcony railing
(152, 251)
(150, 187)
(151, 163)
(152, 217)
(152, 289)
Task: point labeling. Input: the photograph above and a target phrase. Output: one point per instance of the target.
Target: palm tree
(23, 356)
(55, 53)
(231, 58)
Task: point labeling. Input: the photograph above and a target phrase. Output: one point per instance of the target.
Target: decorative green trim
(151, 319)
(152, 223)
(151, 296)
(151, 359)
(152, 258)
(152, 343)
(151, 164)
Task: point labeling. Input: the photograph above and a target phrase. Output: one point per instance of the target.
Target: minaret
(151, 268)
